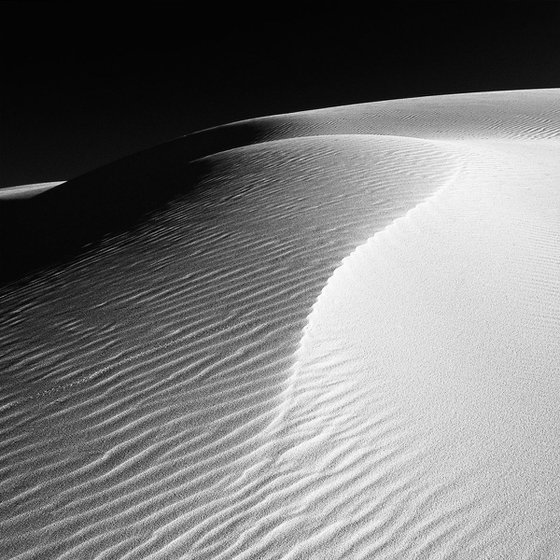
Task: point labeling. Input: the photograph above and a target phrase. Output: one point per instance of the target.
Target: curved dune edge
(429, 410)
(161, 379)
(152, 380)
(118, 196)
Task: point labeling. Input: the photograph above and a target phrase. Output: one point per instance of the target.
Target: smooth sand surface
(338, 338)
(26, 191)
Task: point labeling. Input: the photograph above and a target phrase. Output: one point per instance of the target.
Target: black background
(84, 84)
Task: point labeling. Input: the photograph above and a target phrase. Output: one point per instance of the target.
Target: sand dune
(331, 334)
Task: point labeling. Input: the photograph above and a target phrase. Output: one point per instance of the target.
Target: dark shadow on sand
(54, 226)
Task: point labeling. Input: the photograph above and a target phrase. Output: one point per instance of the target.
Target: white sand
(344, 345)
(26, 191)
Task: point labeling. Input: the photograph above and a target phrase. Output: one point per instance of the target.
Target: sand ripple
(341, 344)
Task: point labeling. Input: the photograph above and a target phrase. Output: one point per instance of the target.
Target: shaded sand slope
(141, 372)
(224, 375)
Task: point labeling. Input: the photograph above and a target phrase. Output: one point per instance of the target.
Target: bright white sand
(26, 191)
(346, 345)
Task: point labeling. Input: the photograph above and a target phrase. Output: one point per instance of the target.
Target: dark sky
(82, 86)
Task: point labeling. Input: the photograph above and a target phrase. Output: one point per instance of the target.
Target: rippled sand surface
(330, 334)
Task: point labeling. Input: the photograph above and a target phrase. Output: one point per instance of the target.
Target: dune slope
(332, 334)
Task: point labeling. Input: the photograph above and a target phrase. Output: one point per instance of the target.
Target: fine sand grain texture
(331, 334)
